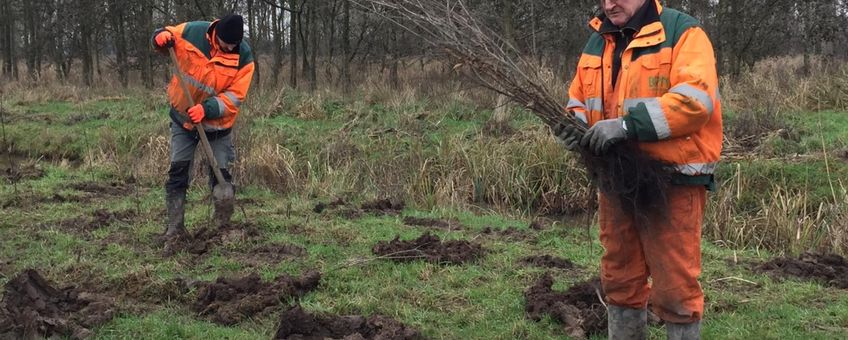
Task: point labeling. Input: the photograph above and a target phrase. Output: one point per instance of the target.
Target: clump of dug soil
(510, 233)
(828, 269)
(267, 254)
(97, 219)
(321, 206)
(432, 223)
(103, 189)
(383, 206)
(228, 301)
(579, 308)
(295, 323)
(33, 308)
(547, 261)
(430, 248)
(205, 238)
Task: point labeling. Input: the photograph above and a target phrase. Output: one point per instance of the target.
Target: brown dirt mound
(103, 189)
(33, 308)
(27, 200)
(205, 238)
(428, 247)
(295, 323)
(579, 308)
(432, 223)
(267, 254)
(22, 172)
(228, 301)
(828, 269)
(97, 219)
(383, 206)
(321, 206)
(547, 261)
(510, 233)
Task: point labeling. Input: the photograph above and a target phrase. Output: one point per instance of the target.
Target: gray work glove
(568, 135)
(603, 135)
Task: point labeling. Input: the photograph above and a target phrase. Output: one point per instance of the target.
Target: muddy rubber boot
(175, 204)
(627, 323)
(683, 331)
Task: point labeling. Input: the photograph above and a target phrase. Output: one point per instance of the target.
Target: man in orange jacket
(217, 67)
(647, 76)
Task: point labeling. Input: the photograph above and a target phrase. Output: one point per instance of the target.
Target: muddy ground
(579, 308)
(547, 261)
(827, 269)
(228, 301)
(295, 323)
(104, 189)
(265, 254)
(340, 207)
(97, 219)
(383, 206)
(33, 307)
(430, 248)
(511, 233)
(206, 238)
(432, 223)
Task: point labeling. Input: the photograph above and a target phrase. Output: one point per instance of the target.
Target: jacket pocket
(590, 76)
(224, 75)
(655, 78)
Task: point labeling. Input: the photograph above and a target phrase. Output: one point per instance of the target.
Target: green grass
(480, 300)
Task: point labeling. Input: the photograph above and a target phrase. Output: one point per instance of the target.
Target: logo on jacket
(659, 83)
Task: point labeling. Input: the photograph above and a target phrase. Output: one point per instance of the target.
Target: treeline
(307, 41)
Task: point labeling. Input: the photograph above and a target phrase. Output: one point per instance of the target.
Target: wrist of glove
(164, 39)
(604, 134)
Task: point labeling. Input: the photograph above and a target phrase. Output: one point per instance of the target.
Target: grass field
(85, 207)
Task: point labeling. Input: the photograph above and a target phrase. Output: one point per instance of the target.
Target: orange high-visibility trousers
(667, 248)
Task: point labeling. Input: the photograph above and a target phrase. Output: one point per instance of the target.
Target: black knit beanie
(230, 29)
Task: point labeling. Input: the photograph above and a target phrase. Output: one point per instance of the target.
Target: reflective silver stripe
(695, 93)
(197, 84)
(573, 102)
(655, 111)
(594, 104)
(581, 116)
(232, 97)
(693, 169)
(221, 106)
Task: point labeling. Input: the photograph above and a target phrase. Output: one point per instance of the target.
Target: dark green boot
(175, 204)
(627, 323)
(683, 331)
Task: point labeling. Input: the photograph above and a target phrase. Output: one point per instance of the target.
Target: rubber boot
(175, 204)
(683, 331)
(627, 323)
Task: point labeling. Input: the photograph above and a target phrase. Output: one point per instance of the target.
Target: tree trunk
(293, 34)
(313, 41)
(116, 15)
(146, 54)
(501, 114)
(254, 40)
(276, 24)
(31, 38)
(346, 48)
(10, 63)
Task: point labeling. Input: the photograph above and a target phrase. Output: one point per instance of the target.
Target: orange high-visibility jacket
(666, 90)
(217, 80)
